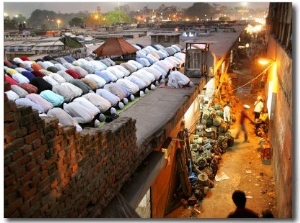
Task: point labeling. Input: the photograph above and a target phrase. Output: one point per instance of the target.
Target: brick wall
(281, 131)
(55, 172)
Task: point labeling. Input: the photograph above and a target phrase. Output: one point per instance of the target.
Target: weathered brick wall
(281, 131)
(54, 171)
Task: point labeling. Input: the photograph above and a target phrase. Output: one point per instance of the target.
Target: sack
(223, 127)
(263, 116)
(230, 141)
(217, 121)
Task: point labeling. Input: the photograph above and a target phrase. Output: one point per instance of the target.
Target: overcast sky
(26, 8)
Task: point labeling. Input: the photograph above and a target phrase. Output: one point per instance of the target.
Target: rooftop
(158, 112)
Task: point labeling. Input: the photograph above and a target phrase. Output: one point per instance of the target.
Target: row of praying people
(62, 83)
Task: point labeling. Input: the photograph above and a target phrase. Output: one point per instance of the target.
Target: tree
(14, 22)
(48, 19)
(76, 22)
(43, 18)
(118, 16)
(10, 23)
(200, 10)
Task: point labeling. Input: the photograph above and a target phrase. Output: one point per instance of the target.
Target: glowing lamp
(264, 61)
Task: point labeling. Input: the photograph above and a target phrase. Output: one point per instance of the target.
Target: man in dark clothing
(239, 199)
(41, 84)
(243, 117)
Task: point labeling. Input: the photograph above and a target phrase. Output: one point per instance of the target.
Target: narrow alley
(241, 166)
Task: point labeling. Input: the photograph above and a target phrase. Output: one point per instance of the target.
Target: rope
(263, 72)
(218, 89)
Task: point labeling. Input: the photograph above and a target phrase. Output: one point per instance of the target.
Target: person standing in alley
(239, 199)
(243, 116)
(226, 113)
(258, 107)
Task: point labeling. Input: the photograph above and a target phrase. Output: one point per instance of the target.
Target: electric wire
(218, 89)
(263, 72)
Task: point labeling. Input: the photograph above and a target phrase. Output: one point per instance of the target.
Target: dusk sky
(26, 8)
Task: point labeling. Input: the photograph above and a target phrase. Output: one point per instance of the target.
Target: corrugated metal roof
(45, 49)
(18, 48)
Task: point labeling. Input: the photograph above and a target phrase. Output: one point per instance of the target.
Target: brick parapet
(54, 171)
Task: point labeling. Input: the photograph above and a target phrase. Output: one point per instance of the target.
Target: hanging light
(272, 84)
(265, 61)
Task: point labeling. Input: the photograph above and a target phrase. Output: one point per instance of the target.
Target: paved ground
(244, 168)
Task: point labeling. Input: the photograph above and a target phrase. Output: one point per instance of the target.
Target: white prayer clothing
(116, 72)
(177, 79)
(138, 81)
(43, 103)
(159, 69)
(129, 67)
(78, 112)
(76, 90)
(148, 74)
(97, 65)
(180, 56)
(87, 104)
(100, 81)
(69, 65)
(65, 75)
(19, 91)
(142, 76)
(116, 90)
(258, 106)
(19, 78)
(162, 65)
(63, 117)
(64, 91)
(100, 102)
(11, 95)
(42, 64)
(27, 102)
(122, 69)
(60, 67)
(153, 71)
(168, 63)
(130, 86)
(113, 99)
(110, 74)
(138, 65)
(50, 80)
(58, 78)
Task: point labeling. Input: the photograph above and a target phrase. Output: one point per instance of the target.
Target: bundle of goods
(266, 151)
(261, 128)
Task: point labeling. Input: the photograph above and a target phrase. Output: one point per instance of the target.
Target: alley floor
(241, 168)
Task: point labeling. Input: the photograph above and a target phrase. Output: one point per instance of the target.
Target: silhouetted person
(239, 199)
(267, 214)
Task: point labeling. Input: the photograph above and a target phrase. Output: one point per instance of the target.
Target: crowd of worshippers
(86, 92)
